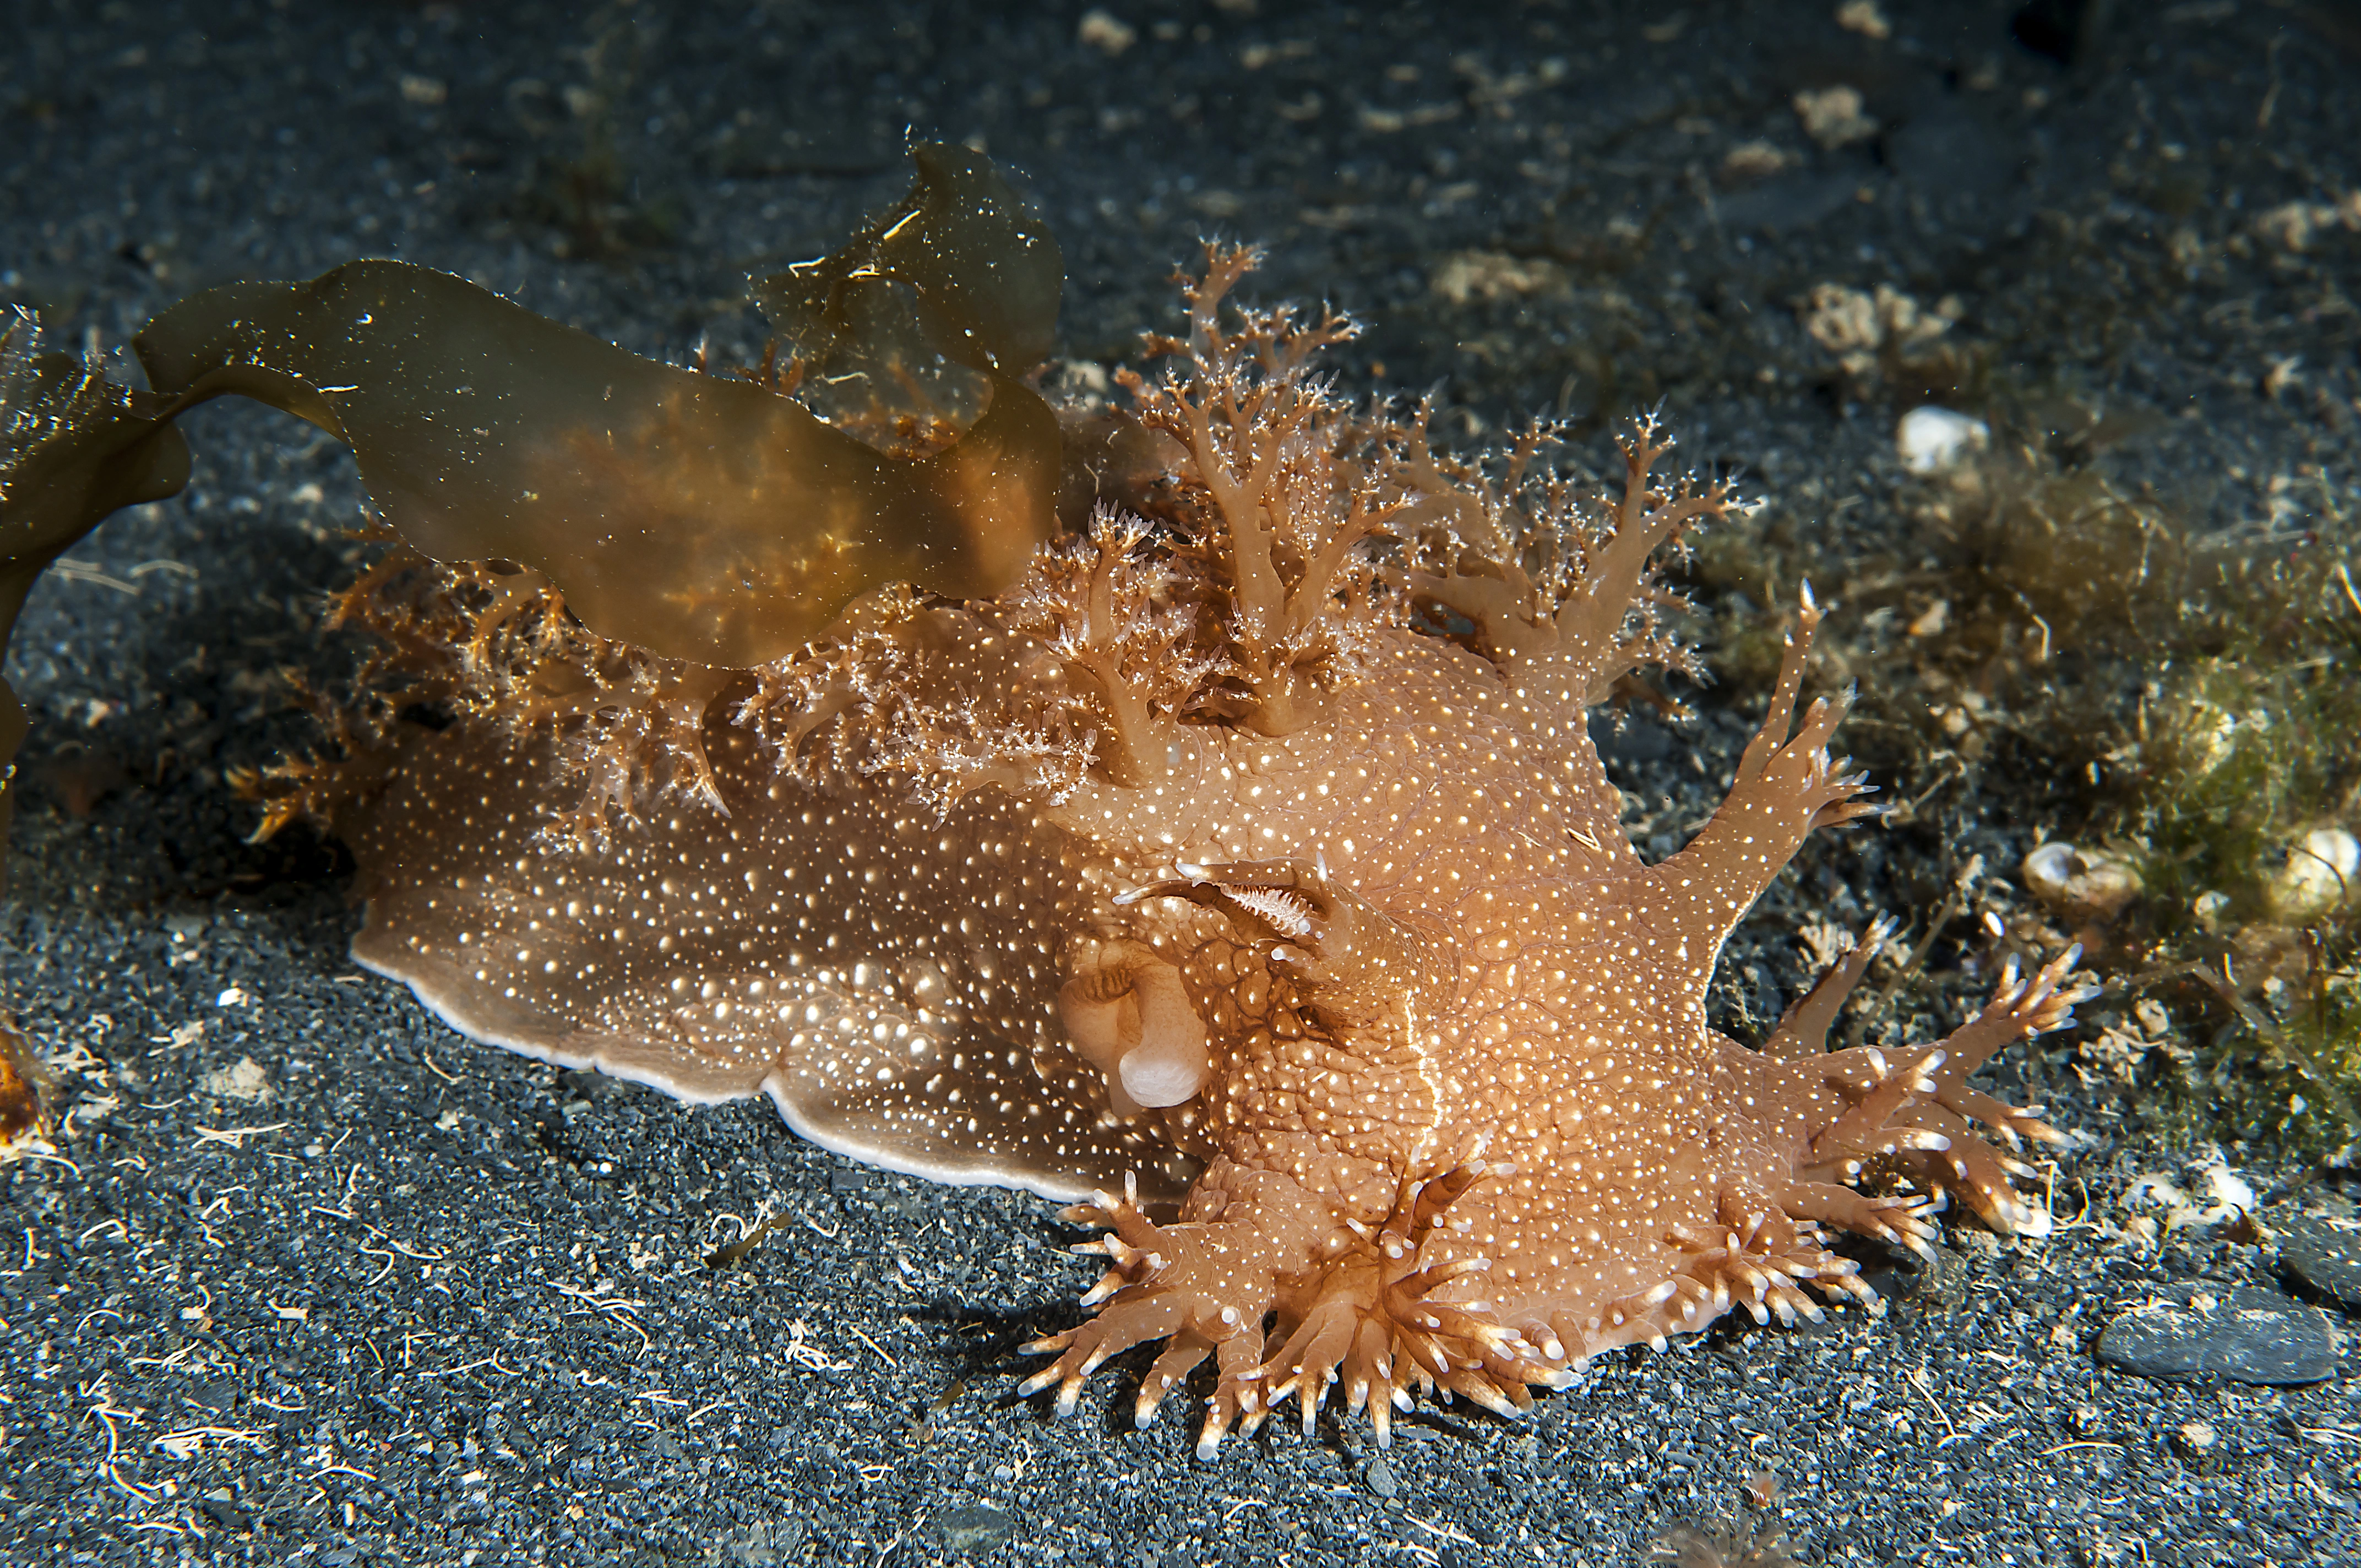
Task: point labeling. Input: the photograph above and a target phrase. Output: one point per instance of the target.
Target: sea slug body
(1246, 876)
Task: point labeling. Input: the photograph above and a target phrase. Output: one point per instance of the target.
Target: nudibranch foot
(1912, 1113)
(1205, 1281)
(1367, 1308)
(1905, 1221)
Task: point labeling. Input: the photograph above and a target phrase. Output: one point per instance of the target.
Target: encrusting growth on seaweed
(492, 643)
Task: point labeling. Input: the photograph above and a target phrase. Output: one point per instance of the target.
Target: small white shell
(2322, 874)
(2080, 884)
(1932, 439)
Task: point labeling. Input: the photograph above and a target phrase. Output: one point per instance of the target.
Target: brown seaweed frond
(29, 1092)
(46, 398)
(1543, 568)
(1276, 469)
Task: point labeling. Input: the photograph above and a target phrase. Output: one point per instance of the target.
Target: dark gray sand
(309, 1278)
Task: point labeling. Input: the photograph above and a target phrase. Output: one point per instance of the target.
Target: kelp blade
(901, 333)
(701, 516)
(707, 518)
(74, 445)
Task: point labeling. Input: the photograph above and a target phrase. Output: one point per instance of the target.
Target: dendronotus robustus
(1246, 875)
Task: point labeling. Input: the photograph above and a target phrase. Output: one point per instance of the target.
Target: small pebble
(2325, 1252)
(1382, 1480)
(763, 1544)
(214, 1393)
(972, 1529)
(593, 1086)
(1932, 439)
(2247, 1336)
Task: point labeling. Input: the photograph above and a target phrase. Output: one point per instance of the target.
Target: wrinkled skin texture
(1202, 878)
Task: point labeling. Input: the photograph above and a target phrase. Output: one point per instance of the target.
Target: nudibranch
(1187, 811)
(1244, 875)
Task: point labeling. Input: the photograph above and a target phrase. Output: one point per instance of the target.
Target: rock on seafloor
(2323, 1251)
(2244, 1334)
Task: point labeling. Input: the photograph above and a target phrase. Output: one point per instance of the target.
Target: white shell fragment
(1933, 439)
(2080, 884)
(2322, 874)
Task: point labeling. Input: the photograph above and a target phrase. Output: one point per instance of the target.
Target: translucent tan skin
(1194, 870)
